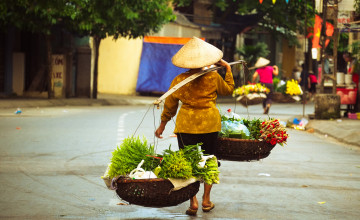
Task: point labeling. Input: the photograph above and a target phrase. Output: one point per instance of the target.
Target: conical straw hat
(196, 53)
(261, 62)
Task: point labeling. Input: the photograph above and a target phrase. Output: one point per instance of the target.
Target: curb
(320, 131)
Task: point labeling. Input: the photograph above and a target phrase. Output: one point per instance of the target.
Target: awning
(156, 71)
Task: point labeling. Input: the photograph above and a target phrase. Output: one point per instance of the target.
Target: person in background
(296, 73)
(266, 74)
(198, 120)
(312, 82)
(303, 82)
(352, 67)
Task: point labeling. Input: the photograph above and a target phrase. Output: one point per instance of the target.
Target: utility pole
(305, 65)
(322, 44)
(323, 39)
(336, 43)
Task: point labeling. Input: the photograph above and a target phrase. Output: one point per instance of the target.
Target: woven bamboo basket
(242, 149)
(154, 192)
(251, 99)
(281, 98)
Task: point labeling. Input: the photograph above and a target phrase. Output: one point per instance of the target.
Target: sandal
(191, 211)
(208, 208)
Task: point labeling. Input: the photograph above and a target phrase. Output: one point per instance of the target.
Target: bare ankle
(194, 203)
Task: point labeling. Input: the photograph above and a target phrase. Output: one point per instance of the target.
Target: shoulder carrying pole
(189, 79)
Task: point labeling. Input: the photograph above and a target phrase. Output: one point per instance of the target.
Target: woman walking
(265, 74)
(198, 120)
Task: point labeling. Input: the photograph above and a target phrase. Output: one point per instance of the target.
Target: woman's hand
(275, 70)
(160, 129)
(225, 64)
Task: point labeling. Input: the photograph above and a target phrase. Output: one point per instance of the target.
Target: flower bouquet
(273, 132)
(286, 92)
(251, 94)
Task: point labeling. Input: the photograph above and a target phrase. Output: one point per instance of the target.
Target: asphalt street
(52, 159)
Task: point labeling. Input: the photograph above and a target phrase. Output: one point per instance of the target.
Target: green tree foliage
(37, 16)
(96, 18)
(122, 18)
(119, 18)
(343, 42)
(252, 52)
(281, 18)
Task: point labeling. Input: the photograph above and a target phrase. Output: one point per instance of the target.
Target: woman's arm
(256, 74)
(225, 86)
(170, 109)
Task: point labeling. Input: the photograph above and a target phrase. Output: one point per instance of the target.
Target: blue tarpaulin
(156, 71)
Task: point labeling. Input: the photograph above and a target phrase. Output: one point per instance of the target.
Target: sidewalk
(344, 130)
(102, 100)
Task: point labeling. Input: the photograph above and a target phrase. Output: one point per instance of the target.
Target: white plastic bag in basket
(140, 173)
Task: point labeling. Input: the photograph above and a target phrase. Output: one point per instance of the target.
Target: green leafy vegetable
(130, 153)
(281, 89)
(210, 172)
(193, 154)
(254, 127)
(175, 165)
(180, 169)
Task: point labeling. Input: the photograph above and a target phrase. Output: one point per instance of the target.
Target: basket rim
(129, 180)
(237, 139)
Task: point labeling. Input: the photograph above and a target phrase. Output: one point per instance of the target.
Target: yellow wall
(119, 65)
(288, 59)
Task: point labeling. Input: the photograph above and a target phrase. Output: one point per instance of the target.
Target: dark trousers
(209, 141)
(268, 99)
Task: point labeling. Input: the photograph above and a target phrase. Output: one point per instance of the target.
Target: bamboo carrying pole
(190, 78)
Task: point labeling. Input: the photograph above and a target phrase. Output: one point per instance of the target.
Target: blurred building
(22, 54)
(23, 64)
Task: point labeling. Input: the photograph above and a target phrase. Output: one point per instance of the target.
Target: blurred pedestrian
(266, 74)
(296, 73)
(198, 119)
(353, 67)
(303, 82)
(312, 82)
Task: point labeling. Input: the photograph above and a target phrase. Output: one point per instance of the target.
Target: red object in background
(317, 32)
(313, 78)
(352, 115)
(347, 96)
(355, 79)
(329, 32)
(319, 74)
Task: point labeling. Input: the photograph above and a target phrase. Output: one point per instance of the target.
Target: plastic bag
(234, 129)
(140, 173)
(229, 114)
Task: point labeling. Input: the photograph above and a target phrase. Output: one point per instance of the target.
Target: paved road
(52, 159)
